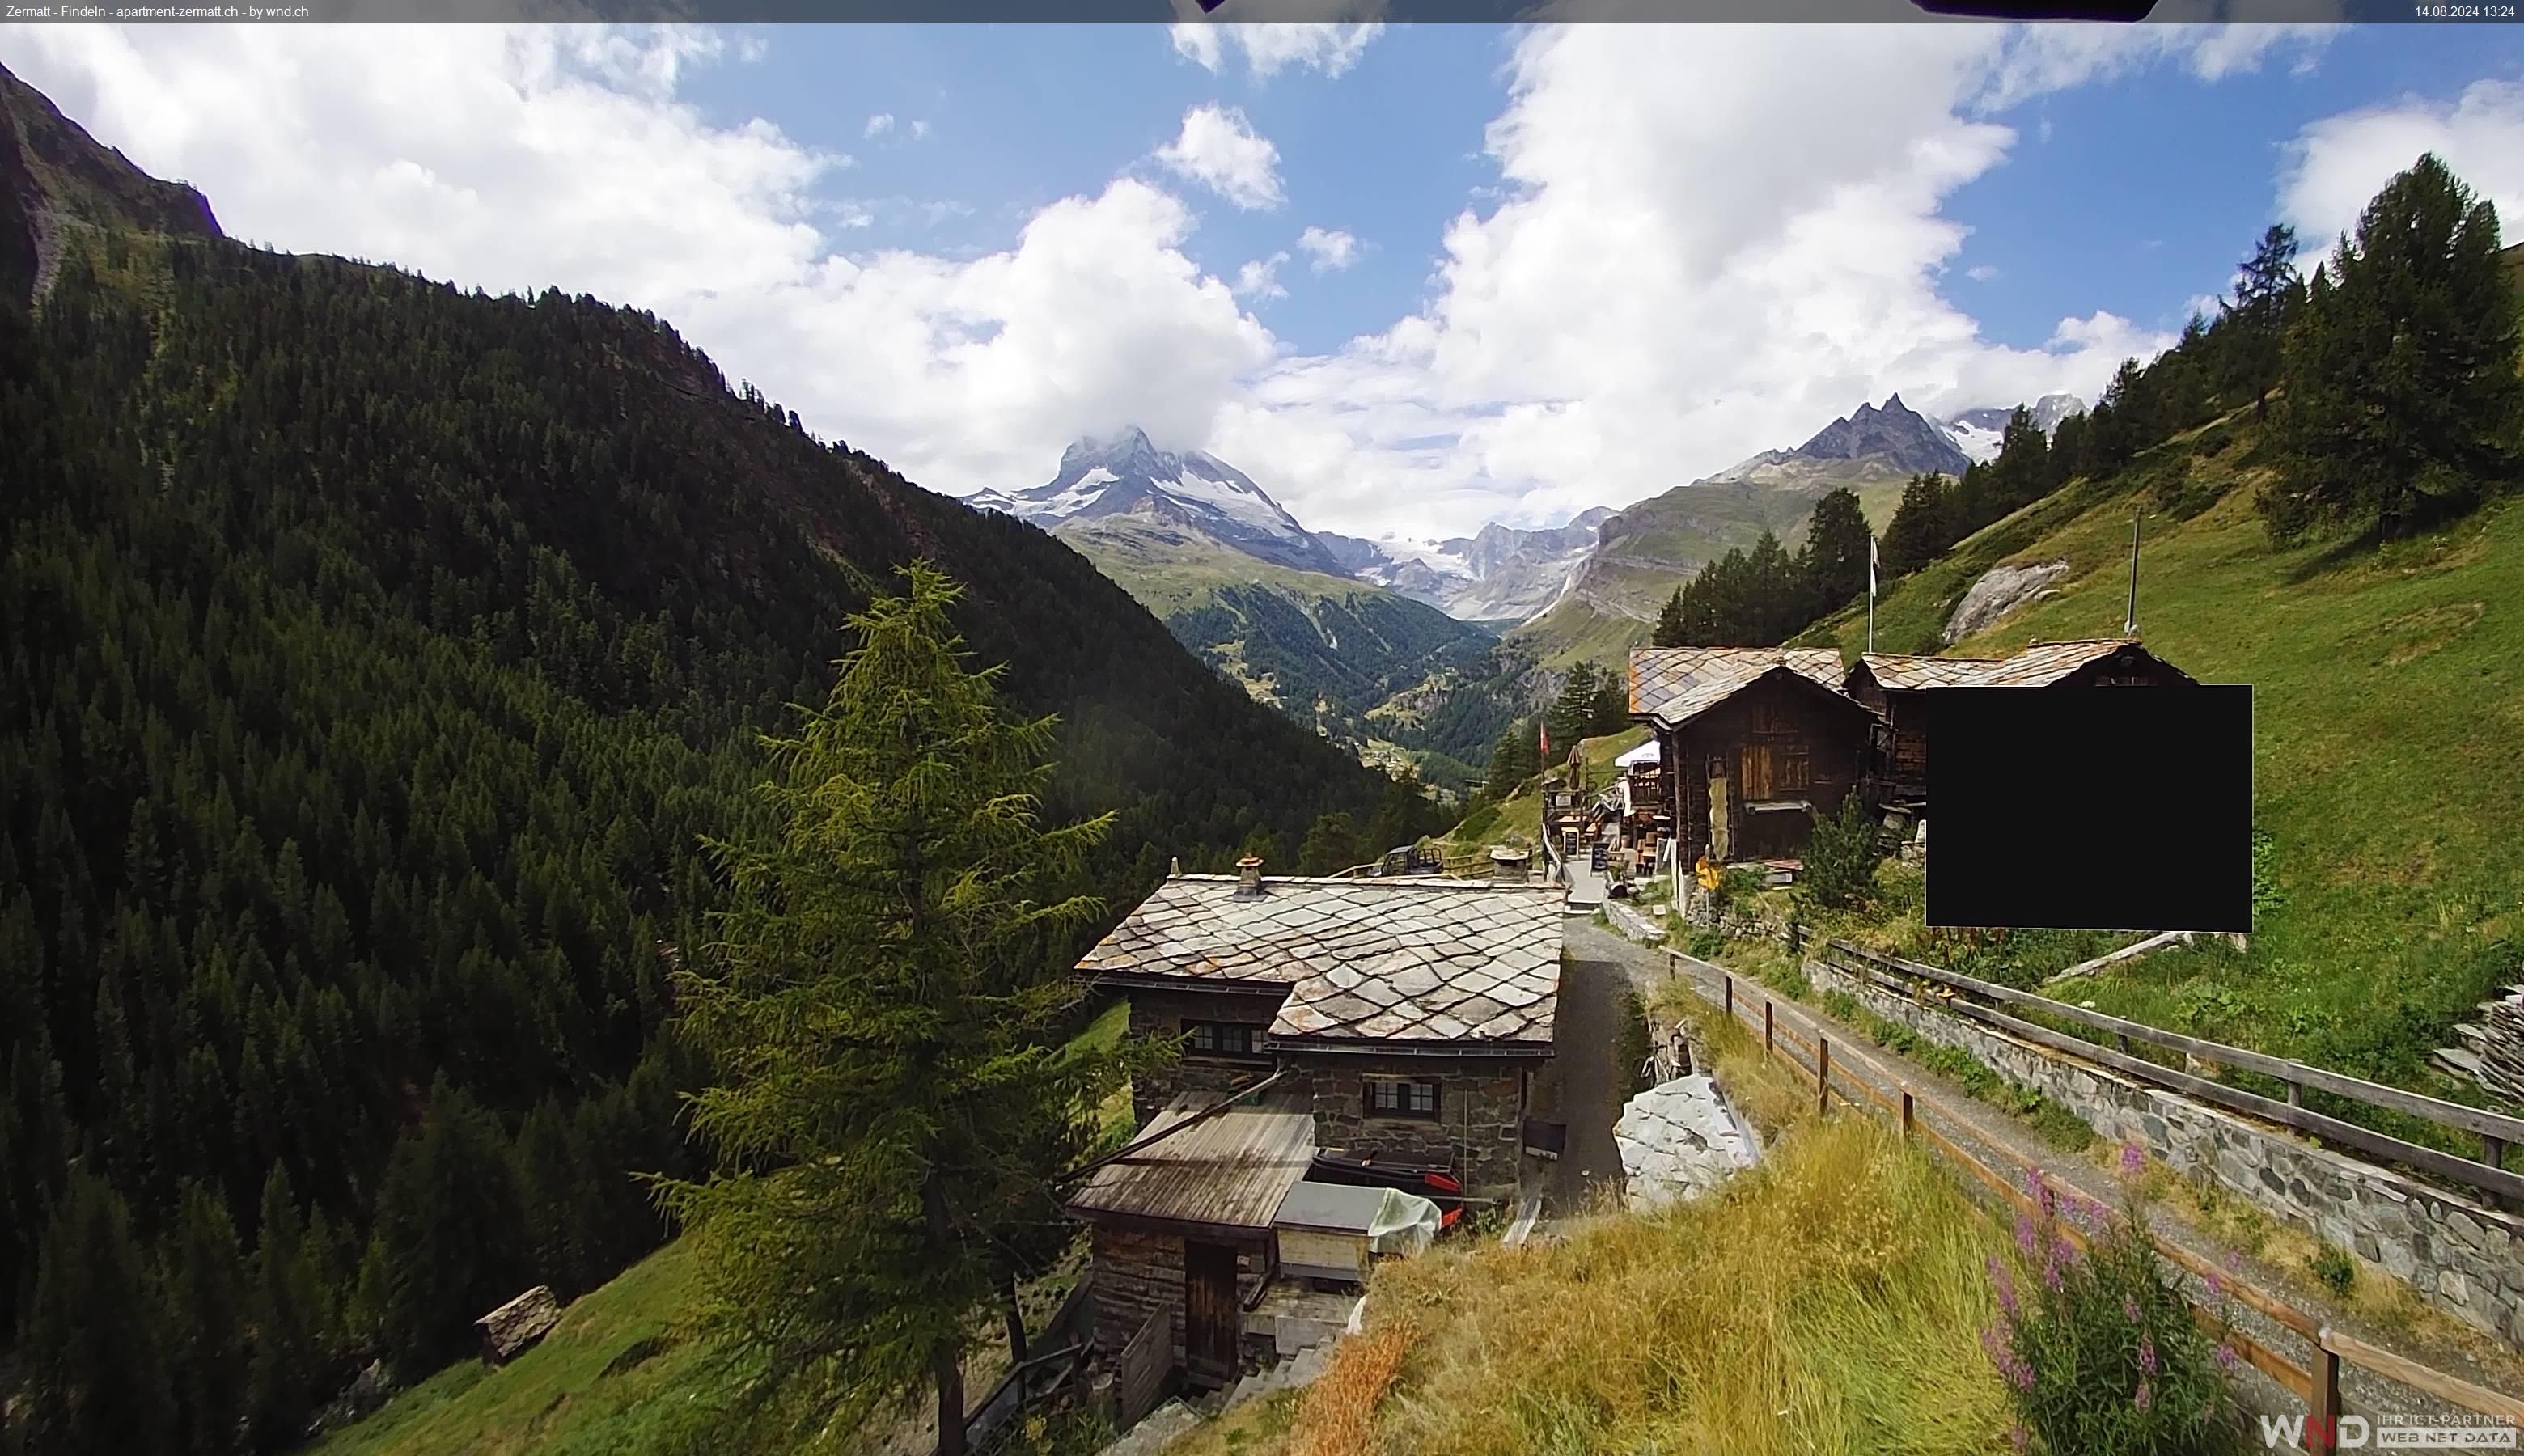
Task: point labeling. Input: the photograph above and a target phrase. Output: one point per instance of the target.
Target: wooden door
(1213, 1321)
(1757, 772)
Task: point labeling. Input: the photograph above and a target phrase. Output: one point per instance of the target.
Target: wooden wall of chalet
(1780, 738)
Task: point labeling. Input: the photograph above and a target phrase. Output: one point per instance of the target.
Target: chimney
(1511, 866)
(1174, 871)
(1250, 869)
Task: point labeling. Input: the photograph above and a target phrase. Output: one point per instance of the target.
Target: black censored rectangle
(2091, 808)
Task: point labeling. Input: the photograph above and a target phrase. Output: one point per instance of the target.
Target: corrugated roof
(1382, 961)
(1232, 1170)
(1675, 684)
(1909, 673)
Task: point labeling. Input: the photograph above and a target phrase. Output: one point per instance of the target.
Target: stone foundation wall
(2460, 1255)
(1479, 1131)
(1162, 1013)
(1138, 1274)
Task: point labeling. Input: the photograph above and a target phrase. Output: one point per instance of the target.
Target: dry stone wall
(2459, 1255)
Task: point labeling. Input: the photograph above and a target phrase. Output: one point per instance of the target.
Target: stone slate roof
(1674, 685)
(1228, 1171)
(1422, 961)
(1902, 673)
(2037, 667)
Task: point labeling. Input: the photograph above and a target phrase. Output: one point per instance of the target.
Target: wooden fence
(2318, 1388)
(2496, 1131)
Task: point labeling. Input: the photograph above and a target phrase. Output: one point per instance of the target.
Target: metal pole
(2130, 628)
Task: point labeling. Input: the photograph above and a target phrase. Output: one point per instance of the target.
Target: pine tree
(1573, 712)
(207, 1307)
(1834, 555)
(1332, 842)
(94, 1339)
(1517, 758)
(449, 1222)
(1612, 701)
(1668, 624)
(2267, 291)
(280, 1380)
(881, 1008)
(2400, 376)
(1920, 528)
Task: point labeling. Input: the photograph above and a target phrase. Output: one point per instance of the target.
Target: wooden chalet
(1411, 1013)
(1755, 743)
(1896, 687)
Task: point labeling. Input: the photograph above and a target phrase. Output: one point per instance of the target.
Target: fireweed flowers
(2098, 1349)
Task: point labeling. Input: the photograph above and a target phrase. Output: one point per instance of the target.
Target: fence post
(2296, 1093)
(1767, 1044)
(2323, 1426)
(1906, 1113)
(1730, 981)
(1822, 1075)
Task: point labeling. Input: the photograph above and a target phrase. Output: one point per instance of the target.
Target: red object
(1448, 1219)
(1544, 733)
(1443, 1183)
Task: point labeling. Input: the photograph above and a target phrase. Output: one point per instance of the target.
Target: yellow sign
(1707, 873)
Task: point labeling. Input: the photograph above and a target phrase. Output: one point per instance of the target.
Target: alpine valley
(1421, 651)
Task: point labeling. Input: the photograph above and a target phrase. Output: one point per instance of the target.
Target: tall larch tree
(883, 1002)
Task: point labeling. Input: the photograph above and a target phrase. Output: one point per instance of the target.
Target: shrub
(1841, 859)
(2098, 1347)
(2331, 1265)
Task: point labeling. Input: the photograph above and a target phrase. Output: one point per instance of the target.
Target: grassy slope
(1169, 572)
(1663, 539)
(1645, 1333)
(1519, 815)
(2387, 700)
(557, 1399)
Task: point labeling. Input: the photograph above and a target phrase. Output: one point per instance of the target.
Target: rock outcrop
(1999, 591)
(1680, 1139)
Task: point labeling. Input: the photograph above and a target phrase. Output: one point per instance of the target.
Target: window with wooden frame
(1788, 771)
(1391, 1096)
(1222, 1039)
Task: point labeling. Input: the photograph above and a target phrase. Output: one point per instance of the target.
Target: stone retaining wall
(2460, 1255)
(1478, 1131)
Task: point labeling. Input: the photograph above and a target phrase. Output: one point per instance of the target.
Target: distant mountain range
(1367, 641)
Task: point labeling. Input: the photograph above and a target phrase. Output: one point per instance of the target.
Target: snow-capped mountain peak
(1127, 472)
(1979, 433)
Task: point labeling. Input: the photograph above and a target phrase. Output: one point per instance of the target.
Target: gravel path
(2006, 1146)
(1582, 1087)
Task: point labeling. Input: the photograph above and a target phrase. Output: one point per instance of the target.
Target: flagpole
(1871, 591)
(2129, 628)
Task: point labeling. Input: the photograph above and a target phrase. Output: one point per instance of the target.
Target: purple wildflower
(2021, 1376)
(2033, 1183)
(2235, 1261)
(2133, 1159)
(2217, 1285)
(2007, 1298)
(2024, 1234)
(2020, 1438)
(2130, 1309)
(1994, 1340)
(2145, 1399)
(2226, 1356)
(2051, 1268)
(2146, 1355)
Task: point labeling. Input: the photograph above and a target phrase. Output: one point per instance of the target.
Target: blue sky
(1583, 265)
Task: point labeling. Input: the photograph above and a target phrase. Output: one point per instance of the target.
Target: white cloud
(1260, 278)
(1330, 47)
(512, 160)
(1219, 149)
(1659, 288)
(920, 129)
(1330, 250)
(2336, 165)
(879, 125)
(1982, 273)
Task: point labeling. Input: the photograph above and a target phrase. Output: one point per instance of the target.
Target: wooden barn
(1755, 744)
(1897, 688)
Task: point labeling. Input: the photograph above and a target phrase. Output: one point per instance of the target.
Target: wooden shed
(1756, 743)
(1182, 1228)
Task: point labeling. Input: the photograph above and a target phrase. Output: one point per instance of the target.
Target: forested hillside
(374, 657)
